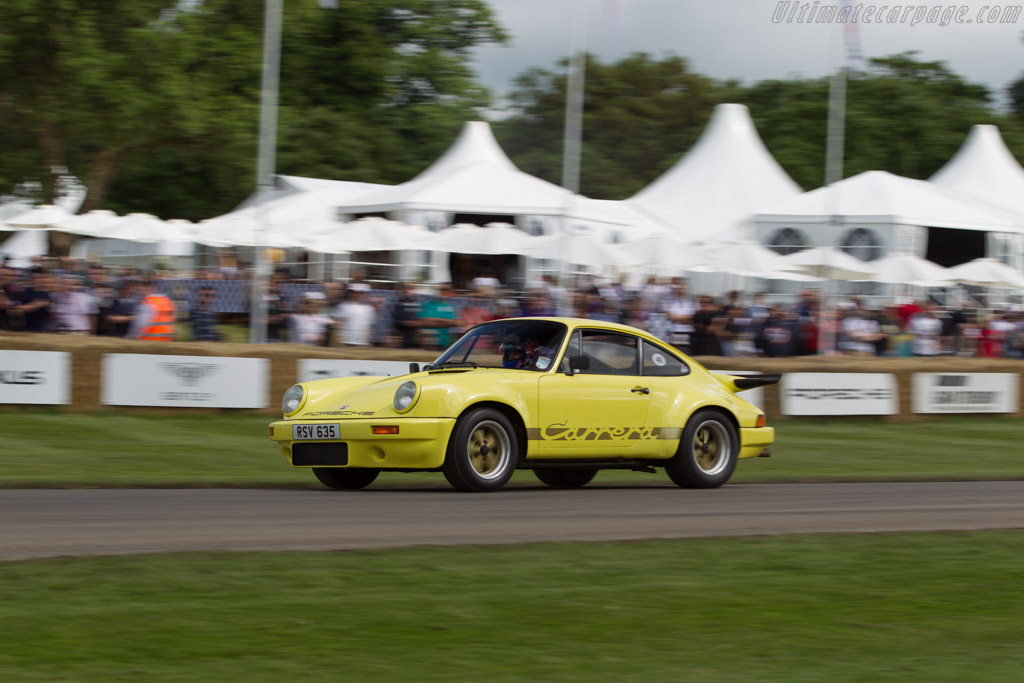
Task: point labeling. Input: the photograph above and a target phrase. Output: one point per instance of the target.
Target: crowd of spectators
(71, 297)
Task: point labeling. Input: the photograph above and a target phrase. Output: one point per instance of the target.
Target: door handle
(640, 390)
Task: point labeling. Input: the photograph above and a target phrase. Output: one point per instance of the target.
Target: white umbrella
(495, 238)
(144, 227)
(910, 270)
(242, 231)
(750, 259)
(829, 263)
(987, 272)
(45, 216)
(662, 250)
(578, 247)
(370, 234)
(95, 223)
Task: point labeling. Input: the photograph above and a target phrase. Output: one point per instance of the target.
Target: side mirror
(578, 364)
(414, 368)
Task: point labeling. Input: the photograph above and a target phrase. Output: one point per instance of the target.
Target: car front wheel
(482, 453)
(565, 479)
(349, 480)
(707, 453)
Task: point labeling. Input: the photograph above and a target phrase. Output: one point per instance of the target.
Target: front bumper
(421, 443)
(755, 440)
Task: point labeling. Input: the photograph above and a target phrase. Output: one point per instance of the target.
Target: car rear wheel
(707, 452)
(565, 478)
(482, 453)
(348, 480)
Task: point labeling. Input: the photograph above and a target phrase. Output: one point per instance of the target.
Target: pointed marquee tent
(876, 213)
(709, 194)
(984, 168)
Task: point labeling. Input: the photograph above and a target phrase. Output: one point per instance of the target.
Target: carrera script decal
(562, 432)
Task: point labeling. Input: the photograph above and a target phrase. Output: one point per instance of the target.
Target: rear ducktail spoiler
(754, 381)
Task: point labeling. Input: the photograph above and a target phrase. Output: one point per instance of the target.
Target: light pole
(265, 164)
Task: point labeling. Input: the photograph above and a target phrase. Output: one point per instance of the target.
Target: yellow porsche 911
(562, 397)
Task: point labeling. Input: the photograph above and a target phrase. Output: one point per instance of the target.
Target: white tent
(711, 191)
(985, 168)
(473, 176)
(882, 198)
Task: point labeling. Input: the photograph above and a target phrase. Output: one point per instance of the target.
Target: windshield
(520, 344)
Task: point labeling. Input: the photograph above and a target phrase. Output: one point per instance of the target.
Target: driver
(522, 354)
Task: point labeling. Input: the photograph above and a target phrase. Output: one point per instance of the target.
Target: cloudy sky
(753, 40)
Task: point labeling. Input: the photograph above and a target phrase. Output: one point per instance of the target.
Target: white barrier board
(325, 368)
(839, 393)
(958, 392)
(136, 379)
(35, 377)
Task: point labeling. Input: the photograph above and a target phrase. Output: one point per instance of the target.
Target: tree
(154, 103)
(639, 116)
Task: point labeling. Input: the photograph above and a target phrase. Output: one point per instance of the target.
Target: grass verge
(901, 607)
(50, 449)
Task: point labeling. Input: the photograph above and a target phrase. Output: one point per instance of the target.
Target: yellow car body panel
(559, 414)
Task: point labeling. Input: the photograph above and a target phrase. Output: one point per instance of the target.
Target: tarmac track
(47, 523)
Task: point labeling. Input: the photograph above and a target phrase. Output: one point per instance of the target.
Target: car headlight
(292, 400)
(405, 396)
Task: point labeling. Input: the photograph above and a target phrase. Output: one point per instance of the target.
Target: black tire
(483, 451)
(565, 478)
(707, 453)
(344, 479)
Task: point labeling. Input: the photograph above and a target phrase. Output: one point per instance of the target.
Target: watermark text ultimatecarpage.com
(795, 12)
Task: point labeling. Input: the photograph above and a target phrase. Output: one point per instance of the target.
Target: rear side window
(610, 353)
(660, 363)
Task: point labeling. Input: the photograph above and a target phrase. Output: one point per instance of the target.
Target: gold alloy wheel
(489, 449)
(711, 446)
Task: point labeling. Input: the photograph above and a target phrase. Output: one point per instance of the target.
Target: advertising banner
(324, 368)
(957, 392)
(839, 393)
(35, 377)
(135, 379)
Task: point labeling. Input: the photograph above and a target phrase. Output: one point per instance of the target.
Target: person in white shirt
(309, 325)
(860, 333)
(355, 318)
(926, 328)
(679, 309)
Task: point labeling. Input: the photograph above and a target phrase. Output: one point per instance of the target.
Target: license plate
(315, 432)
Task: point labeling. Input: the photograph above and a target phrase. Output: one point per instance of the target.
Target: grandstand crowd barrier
(75, 373)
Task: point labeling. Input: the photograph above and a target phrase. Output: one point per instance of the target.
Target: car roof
(583, 322)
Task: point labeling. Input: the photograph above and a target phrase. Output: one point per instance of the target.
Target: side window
(660, 363)
(610, 353)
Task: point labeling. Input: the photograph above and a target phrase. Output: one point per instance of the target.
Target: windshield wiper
(454, 364)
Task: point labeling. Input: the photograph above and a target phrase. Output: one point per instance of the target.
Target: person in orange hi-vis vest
(154, 316)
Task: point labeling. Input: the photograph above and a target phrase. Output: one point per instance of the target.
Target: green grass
(902, 607)
(52, 449)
